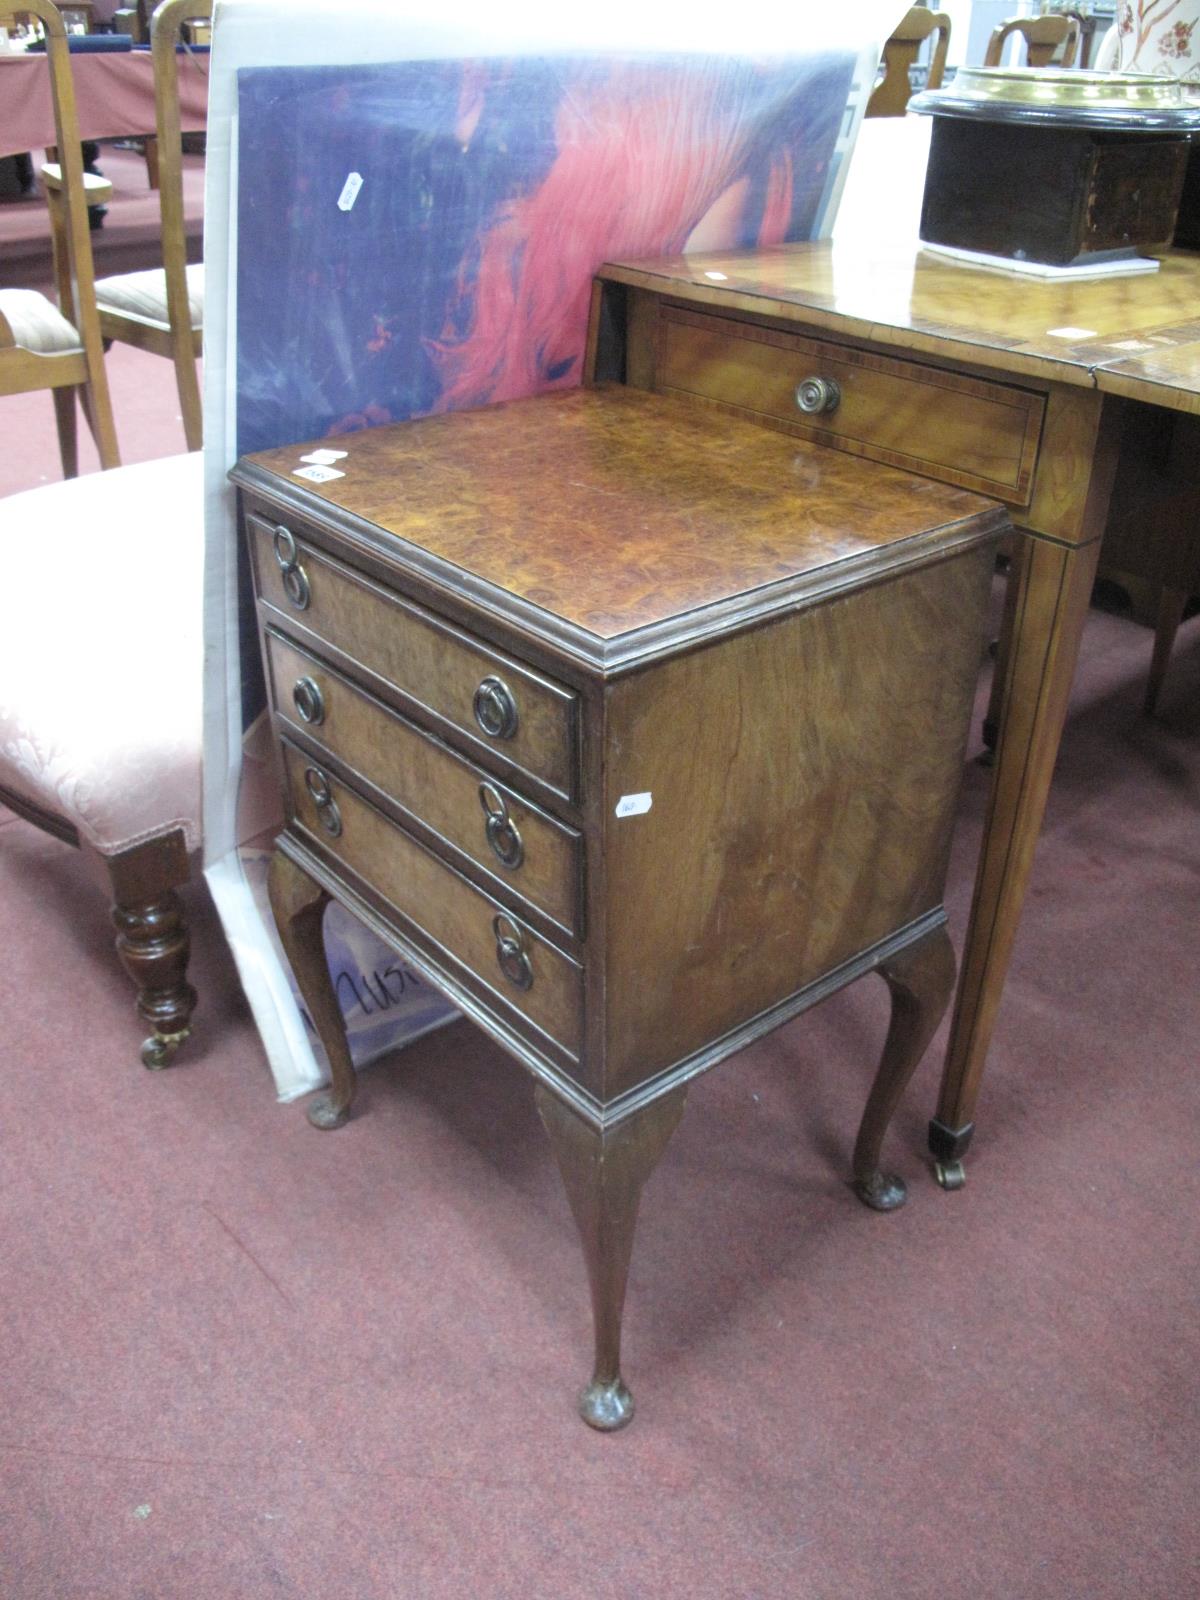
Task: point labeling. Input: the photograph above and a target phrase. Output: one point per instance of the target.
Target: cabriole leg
(298, 904)
(921, 979)
(604, 1171)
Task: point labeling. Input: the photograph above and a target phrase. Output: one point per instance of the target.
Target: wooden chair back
(891, 95)
(1042, 35)
(74, 270)
(166, 25)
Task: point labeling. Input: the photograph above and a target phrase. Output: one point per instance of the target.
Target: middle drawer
(519, 846)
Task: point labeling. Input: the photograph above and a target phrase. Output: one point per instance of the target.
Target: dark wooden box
(1061, 196)
(1187, 228)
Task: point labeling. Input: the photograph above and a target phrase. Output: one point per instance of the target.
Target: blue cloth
(88, 44)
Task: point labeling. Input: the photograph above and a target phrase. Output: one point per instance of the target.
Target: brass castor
(882, 1191)
(323, 1113)
(606, 1406)
(159, 1048)
(950, 1174)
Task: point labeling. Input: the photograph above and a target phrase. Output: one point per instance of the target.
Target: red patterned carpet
(243, 1358)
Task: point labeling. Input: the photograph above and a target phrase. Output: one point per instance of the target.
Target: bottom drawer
(500, 952)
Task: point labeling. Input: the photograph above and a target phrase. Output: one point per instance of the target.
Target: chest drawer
(490, 945)
(463, 684)
(522, 847)
(940, 424)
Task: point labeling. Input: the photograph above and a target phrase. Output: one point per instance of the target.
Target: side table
(1012, 387)
(639, 730)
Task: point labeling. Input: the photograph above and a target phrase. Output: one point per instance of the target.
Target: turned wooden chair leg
(604, 1171)
(298, 906)
(66, 418)
(921, 979)
(152, 939)
(1171, 605)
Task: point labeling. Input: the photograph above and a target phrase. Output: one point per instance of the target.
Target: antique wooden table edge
(945, 345)
(1087, 360)
(449, 586)
(1087, 346)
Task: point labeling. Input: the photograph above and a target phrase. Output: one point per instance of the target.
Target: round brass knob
(814, 395)
(330, 818)
(495, 709)
(501, 830)
(308, 700)
(511, 952)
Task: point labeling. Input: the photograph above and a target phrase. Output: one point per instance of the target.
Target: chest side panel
(803, 779)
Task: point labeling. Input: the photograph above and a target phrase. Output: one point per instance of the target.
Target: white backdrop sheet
(366, 50)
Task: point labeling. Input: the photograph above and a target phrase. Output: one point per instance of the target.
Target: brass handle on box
(284, 541)
(511, 952)
(502, 832)
(308, 700)
(815, 395)
(495, 709)
(295, 579)
(321, 795)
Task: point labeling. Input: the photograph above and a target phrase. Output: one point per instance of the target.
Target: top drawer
(465, 686)
(960, 430)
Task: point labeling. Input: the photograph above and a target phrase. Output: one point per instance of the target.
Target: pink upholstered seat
(101, 651)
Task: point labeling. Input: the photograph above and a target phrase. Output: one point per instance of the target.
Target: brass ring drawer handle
(321, 795)
(284, 541)
(814, 395)
(511, 952)
(295, 579)
(308, 700)
(295, 586)
(495, 709)
(502, 832)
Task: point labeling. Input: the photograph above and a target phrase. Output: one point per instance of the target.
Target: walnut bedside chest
(638, 729)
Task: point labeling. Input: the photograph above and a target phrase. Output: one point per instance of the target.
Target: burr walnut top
(612, 511)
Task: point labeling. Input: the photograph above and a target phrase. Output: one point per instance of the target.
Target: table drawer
(960, 430)
(463, 683)
(517, 844)
(530, 975)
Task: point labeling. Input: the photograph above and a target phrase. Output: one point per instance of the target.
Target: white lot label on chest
(632, 805)
(318, 474)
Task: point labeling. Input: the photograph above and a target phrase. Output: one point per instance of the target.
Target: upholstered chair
(101, 653)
